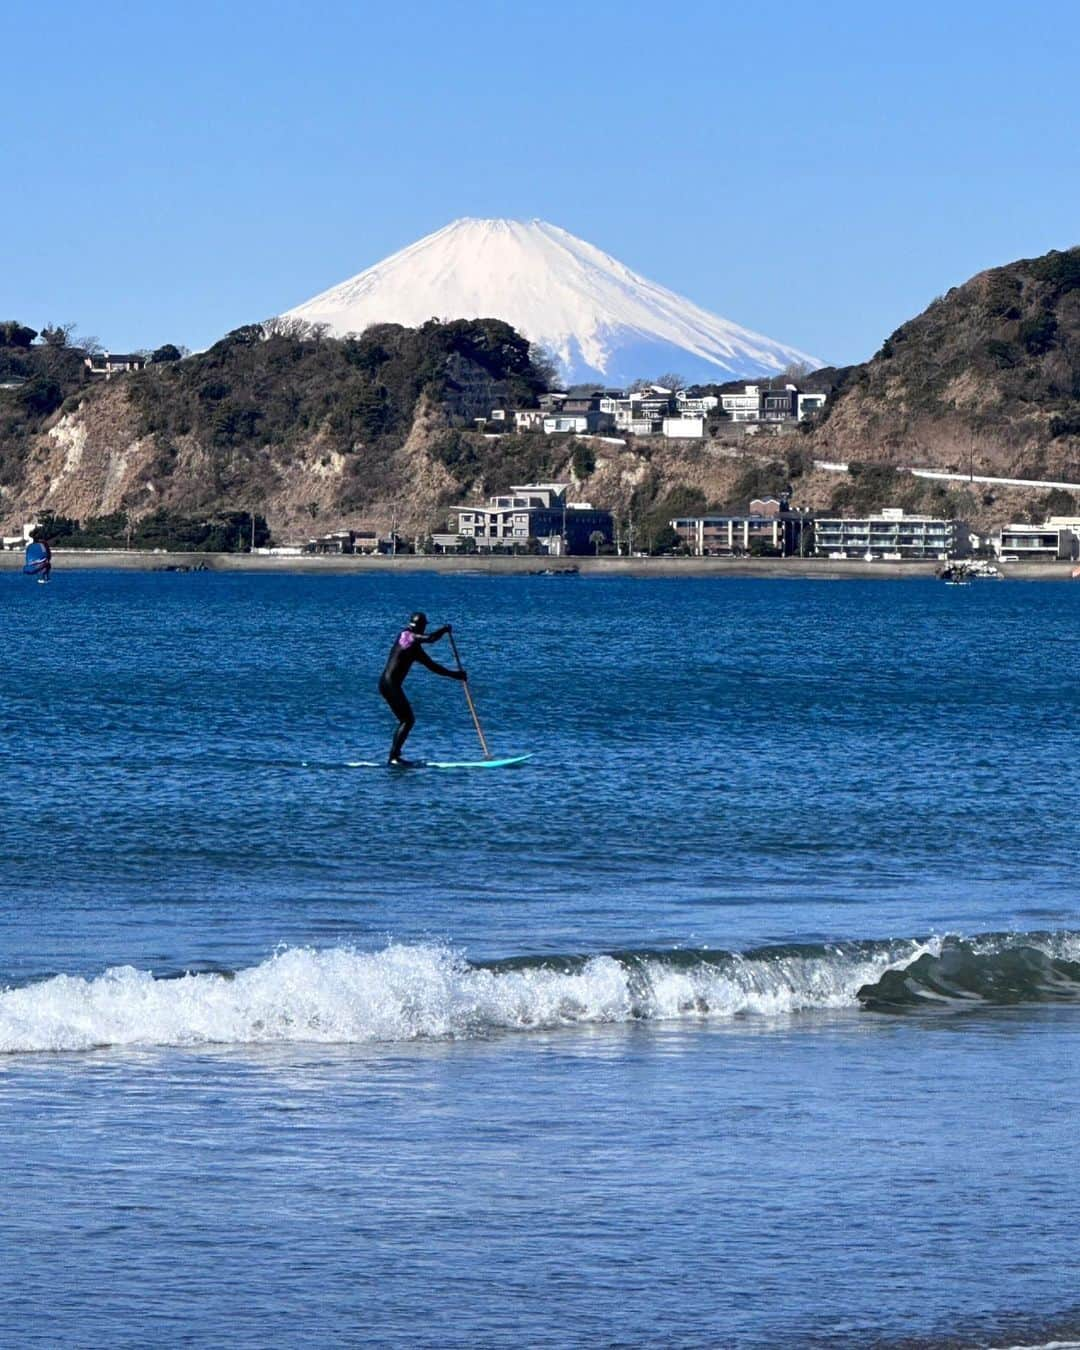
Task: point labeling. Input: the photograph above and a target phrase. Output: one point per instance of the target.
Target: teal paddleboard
(440, 763)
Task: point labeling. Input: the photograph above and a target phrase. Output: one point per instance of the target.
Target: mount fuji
(600, 320)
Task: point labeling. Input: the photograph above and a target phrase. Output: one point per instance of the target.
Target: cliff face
(988, 375)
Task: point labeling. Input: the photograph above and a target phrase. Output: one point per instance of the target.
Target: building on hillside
(641, 412)
(539, 511)
(1055, 540)
(890, 534)
(744, 406)
(757, 403)
(779, 405)
(529, 419)
(108, 364)
(692, 406)
(592, 422)
(809, 405)
(683, 428)
(784, 533)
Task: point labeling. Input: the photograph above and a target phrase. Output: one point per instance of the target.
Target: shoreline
(824, 569)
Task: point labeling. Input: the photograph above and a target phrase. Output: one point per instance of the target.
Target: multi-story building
(890, 534)
(779, 405)
(1056, 539)
(759, 403)
(644, 408)
(537, 511)
(691, 406)
(744, 406)
(729, 536)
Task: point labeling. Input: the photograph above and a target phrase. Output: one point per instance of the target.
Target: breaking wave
(429, 992)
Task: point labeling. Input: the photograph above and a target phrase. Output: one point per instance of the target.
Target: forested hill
(276, 415)
(988, 373)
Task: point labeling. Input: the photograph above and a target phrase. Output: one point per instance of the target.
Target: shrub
(583, 460)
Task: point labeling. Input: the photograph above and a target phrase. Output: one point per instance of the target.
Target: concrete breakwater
(322, 565)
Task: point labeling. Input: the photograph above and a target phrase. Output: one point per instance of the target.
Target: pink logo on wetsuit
(405, 640)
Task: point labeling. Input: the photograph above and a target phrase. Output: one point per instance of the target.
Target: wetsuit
(407, 649)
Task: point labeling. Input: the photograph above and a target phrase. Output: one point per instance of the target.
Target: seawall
(824, 569)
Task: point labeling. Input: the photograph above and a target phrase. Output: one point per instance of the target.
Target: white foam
(406, 993)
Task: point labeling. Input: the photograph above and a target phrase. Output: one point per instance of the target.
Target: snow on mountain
(597, 317)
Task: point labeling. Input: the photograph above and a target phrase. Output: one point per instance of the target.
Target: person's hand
(462, 676)
(448, 627)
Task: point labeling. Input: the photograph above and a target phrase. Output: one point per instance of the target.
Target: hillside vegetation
(278, 421)
(987, 377)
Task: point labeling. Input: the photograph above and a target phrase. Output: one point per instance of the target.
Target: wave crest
(428, 992)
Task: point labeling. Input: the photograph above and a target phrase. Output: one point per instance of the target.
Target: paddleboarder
(408, 648)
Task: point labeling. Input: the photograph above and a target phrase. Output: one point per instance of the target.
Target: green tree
(41, 395)
(666, 540)
(166, 353)
(57, 334)
(15, 334)
(583, 460)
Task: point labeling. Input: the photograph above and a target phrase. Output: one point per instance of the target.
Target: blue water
(747, 1012)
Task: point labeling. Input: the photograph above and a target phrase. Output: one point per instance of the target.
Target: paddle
(468, 697)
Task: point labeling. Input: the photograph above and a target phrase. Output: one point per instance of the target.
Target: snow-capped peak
(599, 319)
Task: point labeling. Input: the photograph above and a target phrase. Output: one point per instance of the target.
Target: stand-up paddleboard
(440, 763)
(37, 560)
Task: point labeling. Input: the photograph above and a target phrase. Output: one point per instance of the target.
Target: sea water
(746, 1013)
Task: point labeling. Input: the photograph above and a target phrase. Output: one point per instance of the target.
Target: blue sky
(816, 172)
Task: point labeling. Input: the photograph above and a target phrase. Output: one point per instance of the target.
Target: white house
(695, 407)
(577, 422)
(744, 407)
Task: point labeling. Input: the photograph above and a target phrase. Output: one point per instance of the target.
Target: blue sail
(37, 559)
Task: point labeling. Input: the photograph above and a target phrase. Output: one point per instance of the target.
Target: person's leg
(402, 710)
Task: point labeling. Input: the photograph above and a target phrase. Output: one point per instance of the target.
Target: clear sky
(818, 172)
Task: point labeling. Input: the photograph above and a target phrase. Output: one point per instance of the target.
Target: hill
(315, 433)
(306, 429)
(987, 377)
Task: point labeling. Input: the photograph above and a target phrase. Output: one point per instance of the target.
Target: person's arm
(437, 636)
(426, 660)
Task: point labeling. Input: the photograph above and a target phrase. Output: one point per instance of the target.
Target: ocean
(746, 1013)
